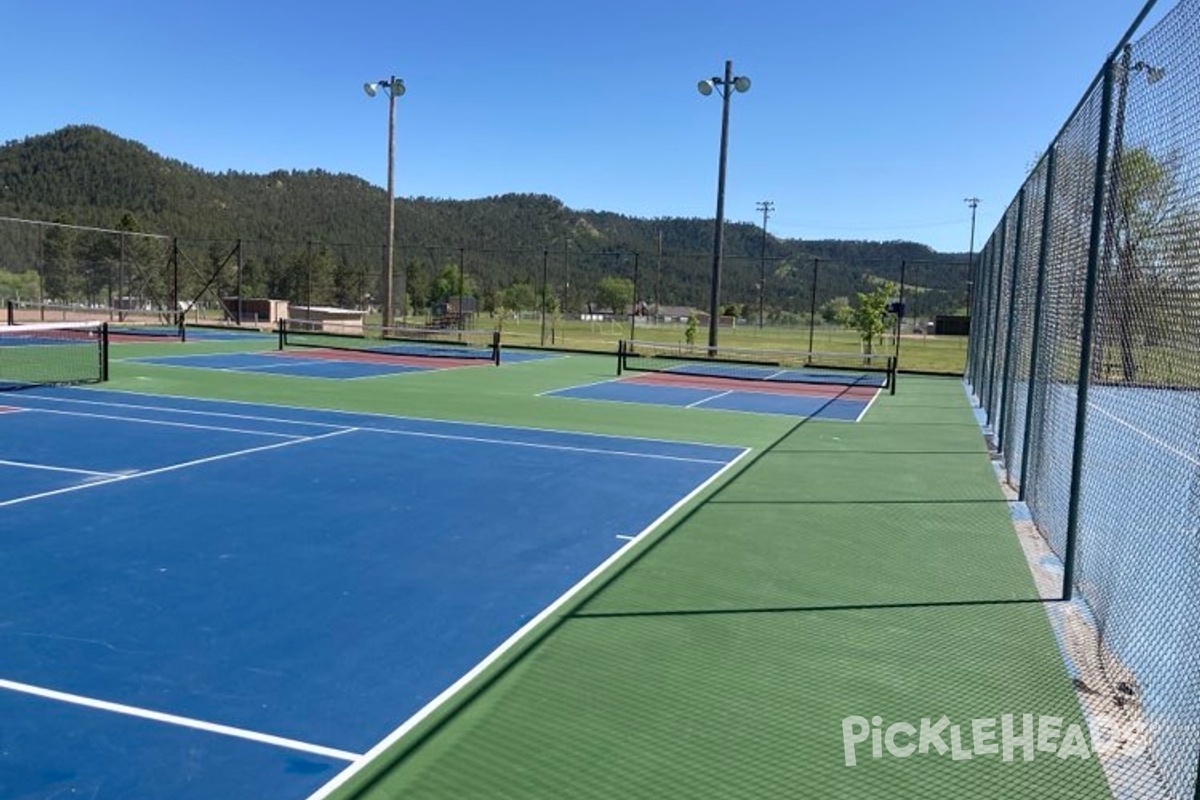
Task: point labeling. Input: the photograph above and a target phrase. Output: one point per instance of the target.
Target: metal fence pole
(1085, 339)
(545, 262)
(1035, 348)
(812, 307)
(1006, 385)
(900, 309)
(987, 274)
(994, 343)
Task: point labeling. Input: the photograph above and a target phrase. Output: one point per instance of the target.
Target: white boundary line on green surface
(453, 689)
(173, 719)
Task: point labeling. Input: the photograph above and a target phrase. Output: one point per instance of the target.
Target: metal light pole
(394, 87)
(726, 86)
(973, 202)
(765, 206)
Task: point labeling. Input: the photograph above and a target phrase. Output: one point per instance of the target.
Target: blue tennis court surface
(214, 599)
(779, 374)
(791, 400)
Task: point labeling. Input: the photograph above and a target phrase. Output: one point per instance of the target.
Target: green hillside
(317, 236)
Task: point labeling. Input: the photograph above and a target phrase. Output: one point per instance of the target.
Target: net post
(103, 352)
(892, 371)
(10, 309)
(281, 326)
(620, 357)
(183, 326)
(496, 347)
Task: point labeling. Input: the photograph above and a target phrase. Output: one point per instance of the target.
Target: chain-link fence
(1085, 358)
(561, 295)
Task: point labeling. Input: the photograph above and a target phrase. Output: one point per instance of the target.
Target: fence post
(1035, 348)
(241, 264)
(812, 308)
(1085, 339)
(986, 276)
(174, 275)
(900, 308)
(545, 262)
(1002, 413)
(633, 316)
(998, 257)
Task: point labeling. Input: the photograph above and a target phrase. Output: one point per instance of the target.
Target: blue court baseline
(317, 576)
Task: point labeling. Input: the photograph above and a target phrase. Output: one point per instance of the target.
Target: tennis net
(747, 364)
(483, 345)
(53, 353)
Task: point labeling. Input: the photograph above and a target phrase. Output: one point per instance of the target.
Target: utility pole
(973, 202)
(765, 206)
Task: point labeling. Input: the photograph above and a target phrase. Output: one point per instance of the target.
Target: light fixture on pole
(726, 86)
(393, 87)
(765, 206)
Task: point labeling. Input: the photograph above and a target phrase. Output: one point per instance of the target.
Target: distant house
(674, 313)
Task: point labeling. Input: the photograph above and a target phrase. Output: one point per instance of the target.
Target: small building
(254, 310)
(328, 318)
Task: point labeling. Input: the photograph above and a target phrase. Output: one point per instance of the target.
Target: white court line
(165, 409)
(173, 719)
(423, 434)
(172, 467)
(554, 392)
(867, 408)
(710, 398)
(375, 414)
(376, 751)
(48, 468)
(166, 423)
(1164, 445)
(542, 446)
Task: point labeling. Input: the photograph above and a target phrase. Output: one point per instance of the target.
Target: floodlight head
(705, 87)
(741, 84)
(397, 87)
(370, 88)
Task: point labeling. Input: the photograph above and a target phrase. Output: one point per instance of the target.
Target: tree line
(317, 237)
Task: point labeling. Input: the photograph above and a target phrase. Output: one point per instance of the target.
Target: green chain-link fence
(1085, 360)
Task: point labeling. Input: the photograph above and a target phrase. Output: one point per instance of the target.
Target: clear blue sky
(867, 119)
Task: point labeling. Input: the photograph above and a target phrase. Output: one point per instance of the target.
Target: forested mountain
(318, 236)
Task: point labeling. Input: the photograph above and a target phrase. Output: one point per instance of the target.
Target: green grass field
(918, 352)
